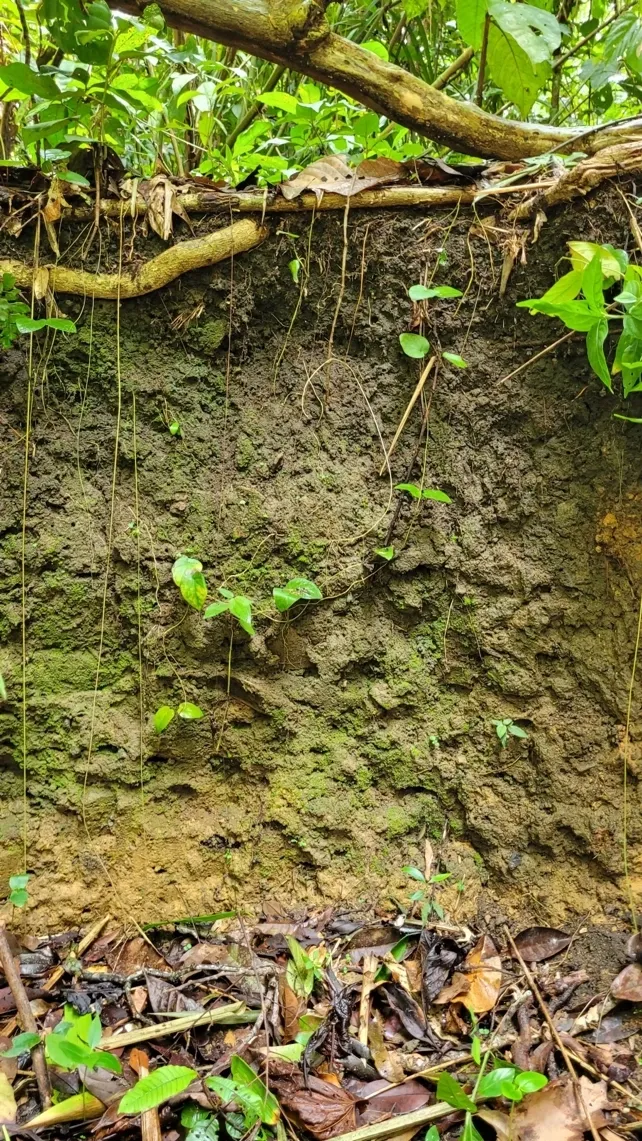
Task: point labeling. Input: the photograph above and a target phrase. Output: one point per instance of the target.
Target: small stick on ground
(27, 1020)
(531, 360)
(411, 403)
(554, 1034)
(150, 1126)
(369, 970)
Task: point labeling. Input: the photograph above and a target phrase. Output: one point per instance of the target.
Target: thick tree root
(613, 162)
(154, 274)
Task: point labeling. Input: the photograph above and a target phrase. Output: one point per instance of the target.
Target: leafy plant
(296, 590)
(424, 492)
(237, 605)
(201, 1125)
(164, 716)
(506, 728)
(190, 580)
(155, 1088)
(595, 271)
(414, 345)
(14, 313)
(385, 553)
(18, 890)
(304, 967)
(73, 1043)
(248, 1092)
(502, 1081)
(426, 292)
(425, 895)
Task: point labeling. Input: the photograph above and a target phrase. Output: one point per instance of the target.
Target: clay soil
(356, 728)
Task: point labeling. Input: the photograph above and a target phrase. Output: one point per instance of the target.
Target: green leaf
(517, 731)
(519, 79)
(582, 253)
(386, 553)
(28, 82)
(432, 1134)
(491, 1083)
(201, 1125)
(72, 176)
(595, 339)
(411, 488)
(163, 717)
(3, 689)
(252, 1086)
(536, 31)
(530, 1081)
(104, 1060)
(296, 590)
(294, 266)
(455, 359)
(20, 1044)
(241, 608)
(449, 1090)
(215, 609)
(175, 428)
(18, 882)
(156, 1088)
(28, 325)
(188, 576)
(65, 1053)
(414, 345)
(377, 48)
(414, 873)
(424, 292)
(279, 99)
(189, 712)
(565, 289)
(436, 494)
(471, 15)
(475, 1050)
(576, 315)
(592, 283)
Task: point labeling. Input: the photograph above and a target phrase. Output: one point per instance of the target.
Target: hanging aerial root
(154, 274)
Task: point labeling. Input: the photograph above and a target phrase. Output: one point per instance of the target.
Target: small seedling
(455, 359)
(237, 605)
(15, 318)
(385, 553)
(305, 967)
(296, 590)
(506, 728)
(425, 894)
(294, 266)
(424, 492)
(426, 292)
(72, 1043)
(164, 716)
(19, 893)
(175, 428)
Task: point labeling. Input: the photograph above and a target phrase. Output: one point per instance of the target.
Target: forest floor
(323, 1025)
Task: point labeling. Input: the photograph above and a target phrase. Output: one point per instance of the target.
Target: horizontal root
(154, 274)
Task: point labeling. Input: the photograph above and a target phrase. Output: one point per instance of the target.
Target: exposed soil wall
(362, 725)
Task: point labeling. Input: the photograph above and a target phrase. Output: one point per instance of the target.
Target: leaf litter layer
(315, 1026)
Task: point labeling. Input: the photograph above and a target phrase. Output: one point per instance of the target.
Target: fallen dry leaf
(8, 1107)
(437, 957)
(165, 998)
(205, 953)
(476, 986)
(553, 1113)
(332, 173)
(628, 984)
(292, 1007)
(405, 1098)
(499, 1121)
(385, 1062)
(408, 1011)
(538, 943)
(8, 1066)
(134, 955)
(323, 1109)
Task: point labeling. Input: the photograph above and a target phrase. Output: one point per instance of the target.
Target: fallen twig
(25, 1015)
(411, 403)
(234, 1014)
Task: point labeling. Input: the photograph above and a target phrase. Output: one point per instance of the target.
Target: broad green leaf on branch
(414, 345)
(19, 77)
(613, 261)
(449, 1090)
(471, 15)
(518, 78)
(157, 1087)
(163, 717)
(595, 339)
(188, 576)
(296, 590)
(537, 31)
(28, 325)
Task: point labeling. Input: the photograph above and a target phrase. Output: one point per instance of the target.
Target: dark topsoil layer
(361, 726)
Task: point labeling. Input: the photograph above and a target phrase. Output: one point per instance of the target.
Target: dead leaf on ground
(8, 1107)
(8, 1066)
(499, 1121)
(406, 1098)
(553, 1113)
(323, 1109)
(385, 1061)
(438, 957)
(627, 985)
(201, 953)
(538, 943)
(332, 174)
(135, 955)
(292, 1007)
(409, 1012)
(165, 998)
(476, 986)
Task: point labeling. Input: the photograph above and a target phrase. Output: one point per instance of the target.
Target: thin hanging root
(172, 263)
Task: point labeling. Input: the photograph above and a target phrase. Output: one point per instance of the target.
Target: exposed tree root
(625, 158)
(154, 274)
